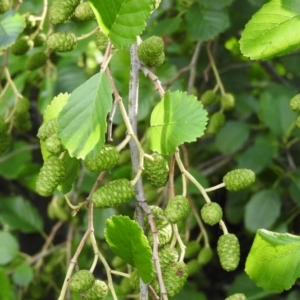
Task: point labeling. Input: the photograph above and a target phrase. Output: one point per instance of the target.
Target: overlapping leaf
(176, 119)
(271, 31)
(273, 261)
(11, 25)
(126, 239)
(122, 20)
(82, 121)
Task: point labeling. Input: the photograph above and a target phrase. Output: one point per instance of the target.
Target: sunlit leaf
(273, 261)
(122, 20)
(82, 121)
(271, 31)
(178, 118)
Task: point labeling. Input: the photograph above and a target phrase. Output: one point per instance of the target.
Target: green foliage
(274, 251)
(167, 118)
(126, 239)
(84, 117)
(9, 247)
(112, 19)
(265, 34)
(11, 25)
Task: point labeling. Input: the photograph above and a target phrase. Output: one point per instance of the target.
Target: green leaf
(126, 239)
(9, 247)
(20, 214)
(122, 20)
(215, 3)
(23, 274)
(262, 210)
(5, 286)
(178, 118)
(260, 154)
(271, 31)
(11, 25)
(232, 136)
(275, 110)
(206, 23)
(166, 27)
(82, 121)
(273, 261)
(12, 167)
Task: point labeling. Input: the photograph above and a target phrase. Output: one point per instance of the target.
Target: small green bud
(208, 97)
(227, 101)
(193, 267)
(238, 179)
(47, 129)
(205, 255)
(191, 250)
(216, 121)
(53, 144)
(61, 11)
(39, 40)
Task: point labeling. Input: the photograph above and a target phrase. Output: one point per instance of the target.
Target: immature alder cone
(61, 11)
(47, 129)
(295, 103)
(84, 12)
(105, 160)
(175, 277)
(98, 291)
(101, 41)
(238, 296)
(211, 213)
(229, 251)
(192, 249)
(177, 209)
(166, 257)
(39, 40)
(113, 194)
(208, 97)
(4, 6)
(157, 171)
(63, 41)
(81, 281)
(205, 255)
(227, 101)
(53, 144)
(216, 121)
(238, 179)
(22, 45)
(193, 267)
(21, 117)
(151, 51)
(37, 60)
(51, 174)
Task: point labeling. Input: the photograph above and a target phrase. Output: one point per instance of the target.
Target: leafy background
(258, 134)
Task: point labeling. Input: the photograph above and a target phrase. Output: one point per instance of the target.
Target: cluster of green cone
(84, 283)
